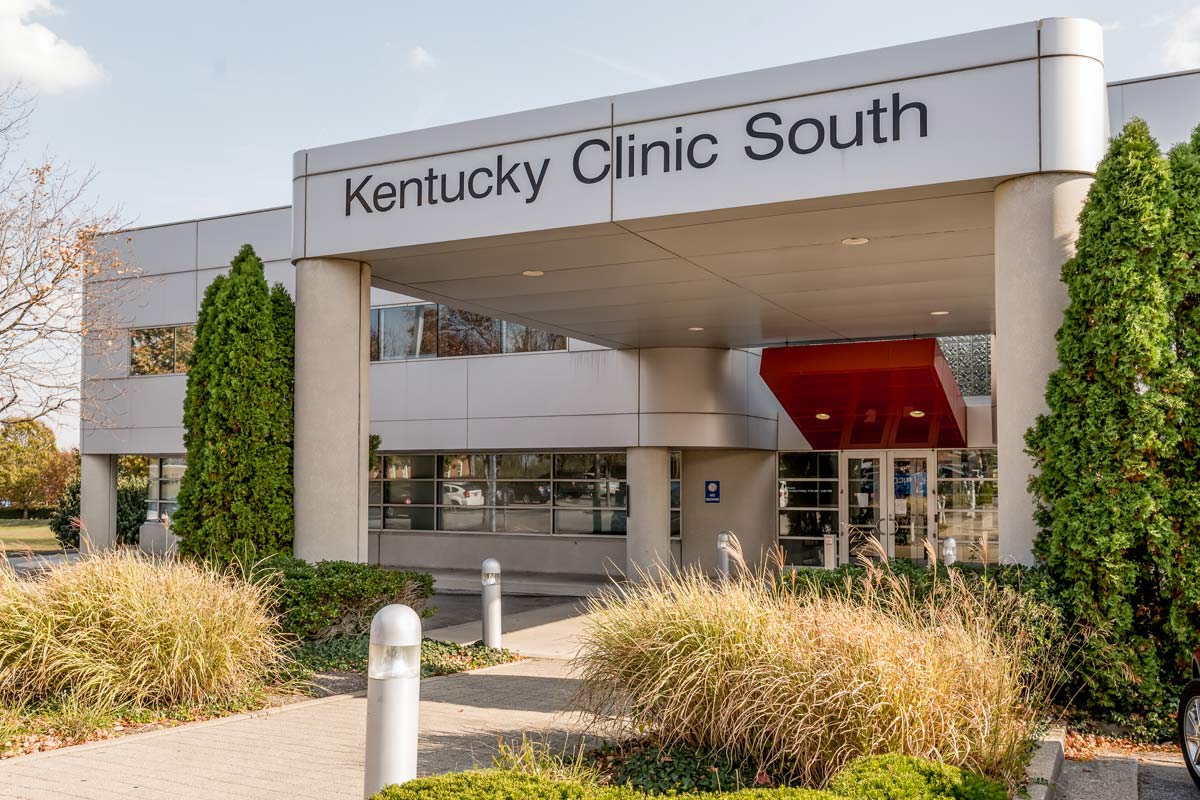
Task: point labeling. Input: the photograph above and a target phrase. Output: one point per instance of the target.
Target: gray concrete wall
(550, 554)
(749, 501)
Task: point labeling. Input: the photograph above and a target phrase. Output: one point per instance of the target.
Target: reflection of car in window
(455, 495)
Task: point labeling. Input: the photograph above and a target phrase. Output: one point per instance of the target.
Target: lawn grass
(19, 535)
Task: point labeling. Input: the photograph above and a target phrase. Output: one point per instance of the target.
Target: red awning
(869, 395)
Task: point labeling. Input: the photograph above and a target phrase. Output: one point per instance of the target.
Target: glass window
(575, 465)
(572, 521)
(505, 492)
(151, 351)
(968, 502)
(523, 465)
(808, 499)
(522, 339)
(465, 333)
(160, 351)
(466, 465)
(407, 467)
(185, 341)
(163, 477)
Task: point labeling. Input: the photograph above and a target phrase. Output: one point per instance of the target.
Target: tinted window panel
(571, 521)
(465, 333)
(521, 339)
(522, 520)
(466, 465)
(408, 492)
(523, 465)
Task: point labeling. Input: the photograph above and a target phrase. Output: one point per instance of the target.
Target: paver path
(313, 750)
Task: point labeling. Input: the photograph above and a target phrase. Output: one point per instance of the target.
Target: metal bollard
(723, 553)
(491, 603)
(393, 698)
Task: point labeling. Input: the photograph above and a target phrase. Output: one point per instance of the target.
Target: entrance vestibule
(837, 507)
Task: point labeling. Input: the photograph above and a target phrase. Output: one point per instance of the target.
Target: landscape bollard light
(491, 603)
(723, 553)
(949, 551)
(393, 698)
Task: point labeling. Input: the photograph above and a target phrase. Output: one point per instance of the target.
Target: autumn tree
(53, 249)
(27, 449)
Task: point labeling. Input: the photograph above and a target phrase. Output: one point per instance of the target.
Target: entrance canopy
(869, 395)
(843, 198)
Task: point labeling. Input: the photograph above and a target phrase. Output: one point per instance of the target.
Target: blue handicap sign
(712, 491)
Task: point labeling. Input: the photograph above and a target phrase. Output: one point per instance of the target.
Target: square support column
(333, 304)
(97, 501)
(1037, 224)
(648, 536)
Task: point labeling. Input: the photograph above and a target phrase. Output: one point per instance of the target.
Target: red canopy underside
(869, 390)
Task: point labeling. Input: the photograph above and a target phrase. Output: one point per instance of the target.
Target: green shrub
(331, 599)
(889, 777)
(656, 770)
(349, 654)
(235, 499)
(502, 785)
(896, 777)
(131, 511)
(122, 629)
(1101, 454)
(20, 513)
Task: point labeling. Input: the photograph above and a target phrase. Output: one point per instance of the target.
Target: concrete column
(1036, 228)
(333, 302)
(648, 540)
(97, 501)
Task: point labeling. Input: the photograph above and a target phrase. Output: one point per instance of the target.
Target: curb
(1045, 768)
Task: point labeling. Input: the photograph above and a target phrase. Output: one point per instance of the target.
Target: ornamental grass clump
(121, 629)
(801, 683)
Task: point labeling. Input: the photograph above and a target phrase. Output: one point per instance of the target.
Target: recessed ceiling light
(917, 413)
(821, 415)
(695, 328)
(533, 273)
(855, 240)
(939, 313)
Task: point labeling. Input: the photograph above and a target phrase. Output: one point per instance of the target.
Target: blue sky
(190, 109)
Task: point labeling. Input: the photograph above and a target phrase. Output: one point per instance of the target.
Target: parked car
(455, 495)
(1189, 722)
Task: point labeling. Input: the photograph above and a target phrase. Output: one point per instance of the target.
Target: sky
(191, 109)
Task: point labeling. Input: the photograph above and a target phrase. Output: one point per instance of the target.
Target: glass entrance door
(863, 505)
(886, 504)
(909, 522)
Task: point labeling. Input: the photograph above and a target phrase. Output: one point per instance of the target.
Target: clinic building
(813, 305)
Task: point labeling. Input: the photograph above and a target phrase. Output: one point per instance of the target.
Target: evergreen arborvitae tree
(1100, 488)
(235, 500)
(1181, 573)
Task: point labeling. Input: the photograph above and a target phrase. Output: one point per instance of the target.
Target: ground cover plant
(349, 654)
(889, 777)
(800, 683)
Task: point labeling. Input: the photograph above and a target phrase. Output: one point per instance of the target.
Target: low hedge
(329, 599)
(131, 511)
(888, 777)
(21, 513)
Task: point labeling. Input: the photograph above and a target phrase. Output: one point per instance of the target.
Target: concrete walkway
(315, 749)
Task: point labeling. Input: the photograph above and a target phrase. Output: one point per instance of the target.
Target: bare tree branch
(54, 250)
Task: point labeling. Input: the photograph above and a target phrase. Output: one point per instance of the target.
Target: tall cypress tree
(1100, 488)
(235, 500)
(1180, 589)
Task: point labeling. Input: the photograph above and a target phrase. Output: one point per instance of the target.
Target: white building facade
(813, 305)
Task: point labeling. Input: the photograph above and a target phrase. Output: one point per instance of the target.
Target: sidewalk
(315, 749)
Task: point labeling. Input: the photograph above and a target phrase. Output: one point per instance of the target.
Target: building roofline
(209, 218)
(1149, 78)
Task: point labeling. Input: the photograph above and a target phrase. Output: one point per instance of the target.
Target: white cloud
(420, 58)
(1181, 50)
(34, 55)
(1109, 27)
(1156, 20)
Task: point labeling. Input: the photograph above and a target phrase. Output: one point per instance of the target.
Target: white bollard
(949, 551)
(723, 553)
(393, 698)
(491, 603)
